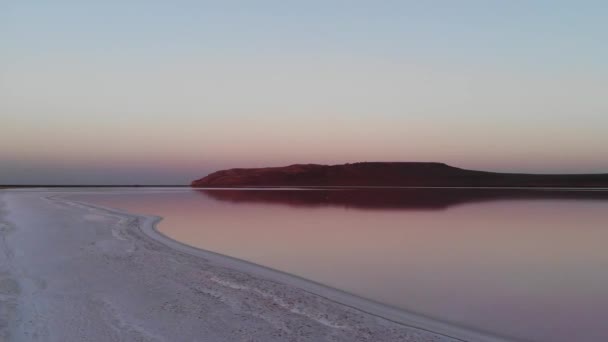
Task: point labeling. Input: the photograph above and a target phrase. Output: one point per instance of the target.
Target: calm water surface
(529, 265)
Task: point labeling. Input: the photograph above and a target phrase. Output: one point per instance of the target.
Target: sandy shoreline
(105, 275)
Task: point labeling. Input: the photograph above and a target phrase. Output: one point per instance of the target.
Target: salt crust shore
(73, 271)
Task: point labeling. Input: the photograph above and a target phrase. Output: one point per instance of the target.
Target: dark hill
(391, 174)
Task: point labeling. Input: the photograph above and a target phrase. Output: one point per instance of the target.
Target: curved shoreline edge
(148, 226)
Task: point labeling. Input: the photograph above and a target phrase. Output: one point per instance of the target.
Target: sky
(164, 92)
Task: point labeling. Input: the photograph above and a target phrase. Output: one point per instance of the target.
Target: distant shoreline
(371, 187)
(26, 186)
(393, 174)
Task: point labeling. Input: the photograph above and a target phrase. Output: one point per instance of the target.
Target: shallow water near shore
(527, 264)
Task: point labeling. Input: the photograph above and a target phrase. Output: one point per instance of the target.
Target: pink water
(528, 265)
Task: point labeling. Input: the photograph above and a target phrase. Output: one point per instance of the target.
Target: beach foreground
(73, 272)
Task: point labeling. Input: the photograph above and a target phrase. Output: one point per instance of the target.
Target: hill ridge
(390, 174)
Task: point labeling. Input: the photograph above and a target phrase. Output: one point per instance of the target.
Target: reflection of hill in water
(431, 199)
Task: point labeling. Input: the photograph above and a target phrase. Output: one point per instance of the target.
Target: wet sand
(71, 271)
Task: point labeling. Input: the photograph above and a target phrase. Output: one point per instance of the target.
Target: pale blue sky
(166, 91)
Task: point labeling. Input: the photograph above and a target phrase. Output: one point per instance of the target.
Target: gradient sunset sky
(163, 92)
